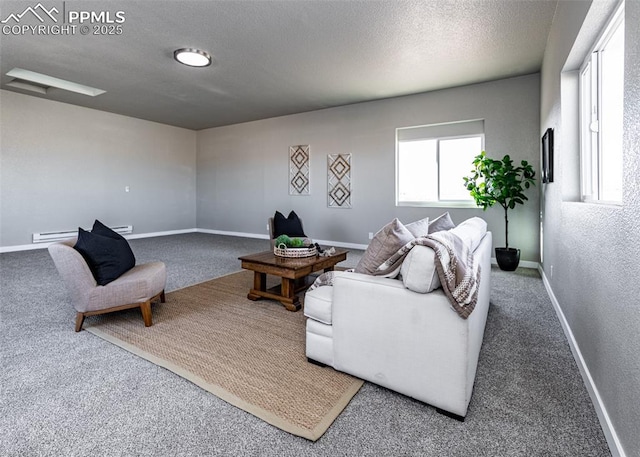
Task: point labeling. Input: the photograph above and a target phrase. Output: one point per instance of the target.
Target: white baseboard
(153, 234)
(29, 247)
(605, 421)
(23, 247)
(337, 244)
(228, 233)
(523, 263)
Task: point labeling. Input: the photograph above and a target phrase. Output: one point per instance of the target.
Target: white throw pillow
(419, 270)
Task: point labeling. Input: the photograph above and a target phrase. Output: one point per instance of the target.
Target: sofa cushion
(419, 270)
(291, 225)
(384, 244)
(108, 258)
(440, 223)
(317, 304)
(136, 285)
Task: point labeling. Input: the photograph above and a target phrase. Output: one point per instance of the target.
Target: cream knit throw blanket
(458, 271)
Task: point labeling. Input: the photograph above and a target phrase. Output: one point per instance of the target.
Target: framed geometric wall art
(339, 180)
(299, 170)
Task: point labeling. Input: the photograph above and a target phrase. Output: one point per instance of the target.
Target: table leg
(288, 292)
(259, 284)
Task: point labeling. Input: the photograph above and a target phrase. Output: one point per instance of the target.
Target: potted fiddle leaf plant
(499, 181)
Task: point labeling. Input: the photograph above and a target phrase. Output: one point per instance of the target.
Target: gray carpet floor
(73, 394)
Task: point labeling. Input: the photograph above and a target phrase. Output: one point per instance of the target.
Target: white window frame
(436, 127)
(590, 100)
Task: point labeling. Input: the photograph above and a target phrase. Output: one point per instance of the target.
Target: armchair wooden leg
(79, 321)
(145, 308)
(162, 298)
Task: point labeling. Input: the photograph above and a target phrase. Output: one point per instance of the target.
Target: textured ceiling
(272, 58)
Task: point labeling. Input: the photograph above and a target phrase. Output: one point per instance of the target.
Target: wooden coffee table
(293, 271)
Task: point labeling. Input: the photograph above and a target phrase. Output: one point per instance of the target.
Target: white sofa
(414, 343)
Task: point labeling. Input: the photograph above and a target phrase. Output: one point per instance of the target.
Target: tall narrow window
(431, 161)
(601, 114)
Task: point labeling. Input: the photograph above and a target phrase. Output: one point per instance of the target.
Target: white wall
(62, 166)
(591, 251)
(243, 169)
(53, 152)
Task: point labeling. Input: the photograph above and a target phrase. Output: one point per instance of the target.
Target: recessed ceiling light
(192, 57)
(46, 81)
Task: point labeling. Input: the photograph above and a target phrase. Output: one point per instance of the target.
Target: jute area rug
(250, 354)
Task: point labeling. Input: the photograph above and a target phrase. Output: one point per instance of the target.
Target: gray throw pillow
(386, 242)
(441, 223)
(419, 228)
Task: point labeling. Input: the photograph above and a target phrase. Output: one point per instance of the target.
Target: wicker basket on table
(295, 253)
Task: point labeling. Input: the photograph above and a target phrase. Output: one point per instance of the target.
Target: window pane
(456, 157)
(417, 171)
(601, 113)
(589, 137)
(612, 87)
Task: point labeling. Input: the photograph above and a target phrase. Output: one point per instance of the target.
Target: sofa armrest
(372, 302)
(368, 279)
(410, 342)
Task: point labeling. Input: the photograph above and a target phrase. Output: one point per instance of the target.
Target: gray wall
(591, 251)
(242, 170)
(63, 166)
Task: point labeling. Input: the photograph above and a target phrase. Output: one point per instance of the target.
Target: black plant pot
(508, 258)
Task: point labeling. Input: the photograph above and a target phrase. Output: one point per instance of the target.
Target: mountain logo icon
(39, 11)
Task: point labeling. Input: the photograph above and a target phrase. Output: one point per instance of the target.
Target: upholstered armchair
(138, 287)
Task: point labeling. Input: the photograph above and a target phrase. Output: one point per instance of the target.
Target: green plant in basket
(297, 242)
(283, 239)
(289, 242)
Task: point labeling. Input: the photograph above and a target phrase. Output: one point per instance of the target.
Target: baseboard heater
(48, 237)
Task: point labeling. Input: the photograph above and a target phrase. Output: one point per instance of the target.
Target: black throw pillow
(127, 255)
(290, 226)
(100, 229)
(108, 257)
